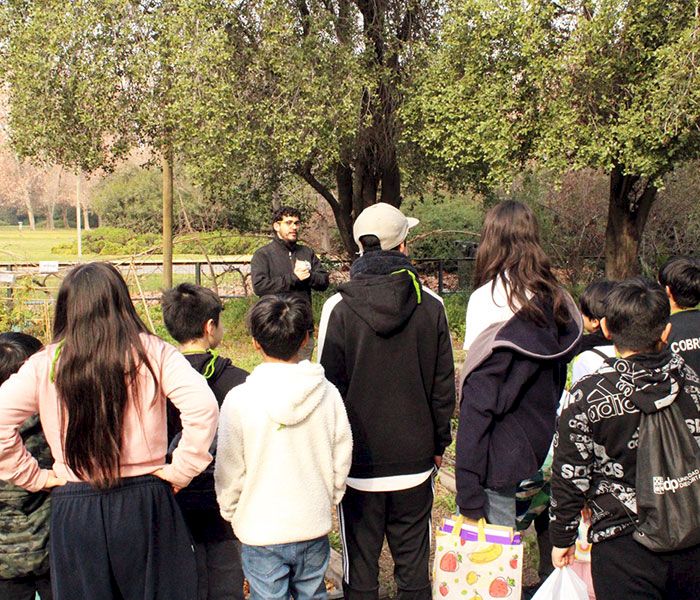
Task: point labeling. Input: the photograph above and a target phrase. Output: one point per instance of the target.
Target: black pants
(623, 569)
(26, 588)
(126, 543)
(544, 545)
(219, 570)
(404, 516)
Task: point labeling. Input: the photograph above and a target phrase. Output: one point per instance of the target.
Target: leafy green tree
(610, 84)
(309, 88)
(131, 199)
(88, 82)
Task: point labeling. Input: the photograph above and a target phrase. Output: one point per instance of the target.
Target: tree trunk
(342, 206)
(391, 182)
(30, 211)
(51, 201)
(368, 170)
(630, 201)
(167, 163)
(86, 218)
(64, 215)
(50, 205)
(343, 211)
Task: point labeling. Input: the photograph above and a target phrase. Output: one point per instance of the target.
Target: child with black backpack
(598, 457)
(192, 316)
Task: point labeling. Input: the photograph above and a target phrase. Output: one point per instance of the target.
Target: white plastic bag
(562, 584)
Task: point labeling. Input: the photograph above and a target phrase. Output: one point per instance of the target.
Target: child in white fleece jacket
(284, 452)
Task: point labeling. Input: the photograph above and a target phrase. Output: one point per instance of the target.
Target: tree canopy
(358, 97)
(262, 89)
(608, 84)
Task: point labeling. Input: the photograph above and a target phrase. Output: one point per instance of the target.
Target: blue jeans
(276, 571)
(500, 507)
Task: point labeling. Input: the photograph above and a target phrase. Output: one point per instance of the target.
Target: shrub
(456, 310)
(447, 224)
(111, 241)
(219, 243)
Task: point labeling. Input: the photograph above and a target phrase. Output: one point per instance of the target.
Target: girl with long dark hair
(100, 390)
(522, 329)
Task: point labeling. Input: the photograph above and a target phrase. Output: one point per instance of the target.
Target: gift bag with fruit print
(477, 561)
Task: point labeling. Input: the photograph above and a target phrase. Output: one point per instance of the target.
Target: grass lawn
(32, 246)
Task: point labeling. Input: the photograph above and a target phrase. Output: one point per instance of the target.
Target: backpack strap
(599, 353)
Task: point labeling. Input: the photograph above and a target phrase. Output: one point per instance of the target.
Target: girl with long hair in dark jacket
(522, 329)
(100, 390)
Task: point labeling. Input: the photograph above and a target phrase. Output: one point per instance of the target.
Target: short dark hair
(285, 211)
(186, 310)
(636, 313)
(371, 243)
(682, 276)
(15, 348)
(592, 300)
(279, 324)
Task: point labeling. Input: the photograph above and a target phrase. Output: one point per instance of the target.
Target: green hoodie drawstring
(416, 284)
(54, 360)
(210, 367)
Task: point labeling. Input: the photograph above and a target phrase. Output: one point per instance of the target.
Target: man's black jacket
(272, 270)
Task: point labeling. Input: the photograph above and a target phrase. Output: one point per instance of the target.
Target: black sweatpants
(26, 588)
(404, 517)
(126, 543)
(624, 569)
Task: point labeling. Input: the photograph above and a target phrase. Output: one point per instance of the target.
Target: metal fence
(232, 276)
(28, 290)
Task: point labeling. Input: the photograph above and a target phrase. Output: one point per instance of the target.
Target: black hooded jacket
(385, 344)
(512, 381)
(198, 500)
(595, 449)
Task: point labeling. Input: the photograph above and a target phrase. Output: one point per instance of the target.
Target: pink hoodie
(30, 391)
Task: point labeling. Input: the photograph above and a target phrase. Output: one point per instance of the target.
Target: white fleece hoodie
(284, 452)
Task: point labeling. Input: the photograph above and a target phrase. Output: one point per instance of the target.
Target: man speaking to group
(284, 265)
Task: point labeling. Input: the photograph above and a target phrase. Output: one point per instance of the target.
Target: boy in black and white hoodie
(283, 456)
(595, 451)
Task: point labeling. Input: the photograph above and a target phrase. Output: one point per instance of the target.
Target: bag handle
(481, 530)
(480, 527)
(459, 521)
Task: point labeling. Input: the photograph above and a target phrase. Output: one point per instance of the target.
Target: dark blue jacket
(512, 380)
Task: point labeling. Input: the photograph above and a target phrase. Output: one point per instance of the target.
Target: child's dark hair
(285, 211)
(592, 300)
(15, 348)
(636, 313)
(682, 276)
(186, 310)
(279, 324)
